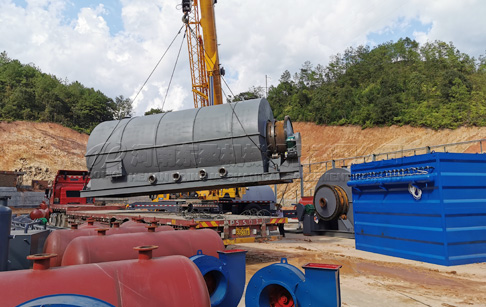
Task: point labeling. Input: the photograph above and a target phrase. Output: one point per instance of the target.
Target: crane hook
(185, 18)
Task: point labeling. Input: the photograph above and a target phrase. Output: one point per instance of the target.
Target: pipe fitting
(145, 252)
(151, 228)
(202, 174)
(101, 231)
(222, 172)
(41, 261)
(176, 177)
(152, 179)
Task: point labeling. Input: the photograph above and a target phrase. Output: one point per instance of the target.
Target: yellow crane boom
(203, 51)
(204, 64)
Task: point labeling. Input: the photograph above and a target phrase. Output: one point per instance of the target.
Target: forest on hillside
(395, 83)
(26, 93)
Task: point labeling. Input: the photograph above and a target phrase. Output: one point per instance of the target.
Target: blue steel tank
(229, 145)
(5, 222)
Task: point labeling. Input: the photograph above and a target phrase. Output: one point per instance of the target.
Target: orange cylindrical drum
(95, 249)
(58, 240)
(154, 282)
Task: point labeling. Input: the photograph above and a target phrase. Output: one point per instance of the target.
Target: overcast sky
(113, 45)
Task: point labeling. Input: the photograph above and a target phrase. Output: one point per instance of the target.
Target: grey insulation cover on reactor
(207, 148)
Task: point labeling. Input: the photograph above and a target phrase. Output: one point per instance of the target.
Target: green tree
(253, 93)
(156, 111)
(26, 93)
(122, 107)
(433, 85)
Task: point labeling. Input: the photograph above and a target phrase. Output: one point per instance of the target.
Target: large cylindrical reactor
(228, 145)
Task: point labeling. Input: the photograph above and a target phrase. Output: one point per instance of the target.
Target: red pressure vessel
(133, 223)
(90, 223)
(43, 205)
(143, 282)
(41, 212)
(46, 212)
(95, 249)
(58, 240)
(36, 214)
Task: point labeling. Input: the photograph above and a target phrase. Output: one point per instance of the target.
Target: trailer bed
(232, 228)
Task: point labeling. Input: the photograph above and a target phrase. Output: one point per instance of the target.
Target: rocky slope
(322, 143)
(40, 149)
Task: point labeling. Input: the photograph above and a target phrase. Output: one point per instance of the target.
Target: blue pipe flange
(225, 277)
(274, 285)
(66, 300)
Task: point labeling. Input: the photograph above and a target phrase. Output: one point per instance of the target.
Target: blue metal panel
(429, 207)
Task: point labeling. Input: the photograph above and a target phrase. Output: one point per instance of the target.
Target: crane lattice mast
(203, 52)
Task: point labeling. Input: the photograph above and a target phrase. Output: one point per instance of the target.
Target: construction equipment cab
(66, 187)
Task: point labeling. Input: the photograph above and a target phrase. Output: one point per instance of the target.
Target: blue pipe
(283, 284)
(225, 277)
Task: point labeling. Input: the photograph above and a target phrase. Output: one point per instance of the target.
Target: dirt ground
(369, 279)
